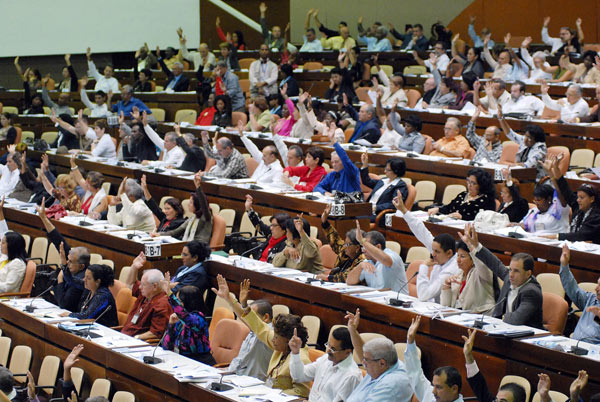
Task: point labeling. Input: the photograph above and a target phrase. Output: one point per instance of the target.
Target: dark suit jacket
(385, 201)
(370, 131)
(516, 210)
(182, 84)
(527, 307)
(480, 388)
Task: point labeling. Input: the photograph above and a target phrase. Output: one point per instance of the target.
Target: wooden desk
(147, 383)
(440, 341)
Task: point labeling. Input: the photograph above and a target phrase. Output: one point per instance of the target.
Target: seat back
(555, 396)
(10, 109)
(394, 246)
(366, 337)
(564, 163)
(27, 137)
(550, 114)
(185, 204)
(187, 115)
(124, 302)
(363, 94)
(28, 279)
(401, 347)
(522, 381)
(123, 396)
(124, 273)
(251, 165)
(245, 62)
(412, 269)
(551, 283)
(100, 387)
(227, 339)
(417, 253)
(328, 256)
(39, 248)
(555, 310)
(49, 136)
(237, 117)
(509, 152)
(582, 158)
(218, 314)
(312, 66)
(77, 378)
(229, 216)
(218, 231)
(48, 373)
(109, 263)
(280, 309)
(20, 361)
(410, 198)
(313, 325)
(425, 193)
(417, 69)
(5, 343)
(52, 257)
(158, 113)
(116, 288)
(451, 191)
(314, 354)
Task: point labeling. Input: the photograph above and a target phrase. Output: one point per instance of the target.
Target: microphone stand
(153, 359)
(87, 334)
(397, 301)
(478, 324)
(30, 308)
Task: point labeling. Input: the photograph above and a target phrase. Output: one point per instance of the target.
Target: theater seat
(328, 256)
(217, 239)
(412, 269)
(219, 313)
(124, 302)
(509, 152)
(555, 310)
(27, 284)
(226, 340)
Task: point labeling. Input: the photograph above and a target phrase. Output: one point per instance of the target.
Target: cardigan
(310, 257)
(307, 182)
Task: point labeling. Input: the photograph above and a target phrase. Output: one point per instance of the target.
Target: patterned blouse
(70, 202)
(468, 209)
(343, 263)
(189, 335)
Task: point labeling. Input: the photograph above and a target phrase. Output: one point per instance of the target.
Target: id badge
(135, 318)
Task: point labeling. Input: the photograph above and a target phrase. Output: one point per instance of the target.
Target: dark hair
(452, 376)
(101, 93)
(289, 225)
(376, 238)
(240, 36)
(484, 180)
(201, 207)
(521, 84)
(84, 256)
(351, 234)
(101, 123)
(336, 70)
(281, 219)
(415, 121)
(590, 53)
(536, 132)
(343, 335)
(9, 116)
(460, 245)
(595, 398)
(499, 82)
(514, 190)
(418, 26)
(263, 307)
(518, 392)
(15, 156)
(343, 23)
(7, 380)
(528, 262)
(226, 101)
(469, 78)
(312, 30)
(102, 272)
(199, 249)
(446, 242)
(590, 191)
(191, 298)
(176, 205)
(316, 153)
(287, 70)
(298, 150)
(397, 165)
(15, 246)
(450, 83)
(477, 52)
(543, 191)
(284, 325)
(441, 42)
(96, 179)
(261, 103)
(147, 72)
(67, 118)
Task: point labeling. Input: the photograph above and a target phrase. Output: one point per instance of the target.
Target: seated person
(386, 377)
(367, 128)
(128, 102)
(549, 216)
(513, 204)
(199, 225)
(378, 42)
(259, 116)
(275, 232)
(502, 67)
(106, 82)
(61, 107)
(393, 89)
(594, 114)
(452, 144)
(445, 94)
(7, 131)
(345, 176)
(176, 80)
(384, 190)
(471, 62)
(284, 125)
(340, 84)
(171, 154)
(74, 262)
(94, 202)
(187, 332)
(170, 217)
(571, 106)
(301, 252)
(134, 214)
(443, 257)
(194, 160)
(223, 111)
(588, 326)
(285, 326)
(412, 140)
(496, 94)
(150, 313)
(103, 146)
(308, 175)
(487, 148)
(193, 256)
(137, 147)
(382, 269)
(99, 107)
(12, 257)
(292, 88)
(521, 295)
(97, 298)
(335, 374)
(9, 173)
(230, 162)
(348, 250)
(144, 77)
(473, 289)
(269, 169)
(464, 92)
(446, 382)
(480, 194)
(253, 357)
(63, 192)
(522, 104)
(206, 116)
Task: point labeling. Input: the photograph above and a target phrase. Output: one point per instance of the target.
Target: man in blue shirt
(477, 41)
(386, 378)
(232, 86)
(345, 176)
(379, 42)
(588, 326)
(128, 102)
(367, 124)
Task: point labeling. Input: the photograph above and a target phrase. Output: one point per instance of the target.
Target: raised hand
(456, 37)
(157, 51)
(295, 343)
(180, 32)
(262, 8)
(30, 386)
(135, 113)
(299, 224)
(63, 255)
(353, 319)
(526, 42)
(88, 53)
(345, 99)
(546, 21)
(578, 384)
(248, 202)
(412, 330)
(399, 203)
(469, 237)
(544, 87)
(223, 290)
(565, 256)
(72, 358)
(244, 292)
(507, 38)
(325, 213)
(364, 159)
(139, 261)
(472, 19)
(578, 22)
(543, 387)
(218, 21)
(468, 346)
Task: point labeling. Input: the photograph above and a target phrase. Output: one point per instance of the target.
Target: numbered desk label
(152, 250)
(388, 220)
(338, 210)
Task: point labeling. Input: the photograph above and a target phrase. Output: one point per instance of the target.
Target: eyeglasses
(471, 182)
(350, 244)
(332, 349)
(366, 360)
(273, 225)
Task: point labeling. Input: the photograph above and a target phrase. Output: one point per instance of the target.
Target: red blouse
(307, 183)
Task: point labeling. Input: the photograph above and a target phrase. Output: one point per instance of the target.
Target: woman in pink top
(284, 125)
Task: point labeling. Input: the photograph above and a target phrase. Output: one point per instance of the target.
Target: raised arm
(91, 66)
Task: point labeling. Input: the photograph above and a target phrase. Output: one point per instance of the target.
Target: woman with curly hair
(285, 326)
(480, 194)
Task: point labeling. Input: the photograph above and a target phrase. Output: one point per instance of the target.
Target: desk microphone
(577, 351)
(400, 303)
(84, 223)
(247, 252)
(478, 324)
(87, 333)
(30, 308)
(219, 386)
(153, 359)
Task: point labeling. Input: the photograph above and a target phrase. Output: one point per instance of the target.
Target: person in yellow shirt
(277, 338)
(453, 144)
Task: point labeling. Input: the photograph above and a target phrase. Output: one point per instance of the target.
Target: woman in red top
(207, 115)
(310, 174)
(236, 38)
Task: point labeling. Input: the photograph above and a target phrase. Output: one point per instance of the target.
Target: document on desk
(243, 381)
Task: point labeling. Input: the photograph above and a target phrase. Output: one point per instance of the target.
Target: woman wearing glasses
(275, 232)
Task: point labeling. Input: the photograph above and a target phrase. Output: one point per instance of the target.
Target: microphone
(84, 223)
(577, 351)
(219, 386)
(87, 334)
(247, 252)
(400, 303)
(480, 323)
(30, 308)
(153, 359)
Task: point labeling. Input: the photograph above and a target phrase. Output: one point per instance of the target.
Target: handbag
(490, 220)
(56, 211)
(241, 242)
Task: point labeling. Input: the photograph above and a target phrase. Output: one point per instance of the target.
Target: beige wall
(398, 12)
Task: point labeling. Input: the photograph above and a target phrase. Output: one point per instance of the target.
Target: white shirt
(102, 83)
(535, 73)
(314, 46)
(568, 111)
(529, 104)
(105, 148)
(95, 109)
(442, 64)
(264, 72)
(386, 183)
(100, 194)
(133, 216)
(331, 383)
(556, 43)
(392, 277)
(264, 174)
(8, 181)
(196, 58)
(501, 100)
(429, 287)
(173, 156)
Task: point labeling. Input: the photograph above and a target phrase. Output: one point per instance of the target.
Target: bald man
(203, 57)
(269, 168)
(367, 127)
(488, 148)
(230, 162)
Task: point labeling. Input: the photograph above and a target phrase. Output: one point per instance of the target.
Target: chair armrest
(221, 365)
(381, 215)
(15, 294)
(218, 247)
(117, 328)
